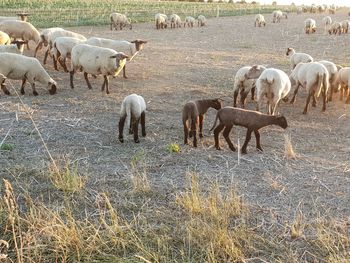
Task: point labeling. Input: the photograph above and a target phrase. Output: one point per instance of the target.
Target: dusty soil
(178, 65)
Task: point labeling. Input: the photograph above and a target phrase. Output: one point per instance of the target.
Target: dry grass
(288, 148)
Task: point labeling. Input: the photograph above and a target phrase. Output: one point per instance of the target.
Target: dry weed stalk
(288, 148)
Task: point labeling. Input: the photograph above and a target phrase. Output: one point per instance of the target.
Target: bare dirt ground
(178, 65)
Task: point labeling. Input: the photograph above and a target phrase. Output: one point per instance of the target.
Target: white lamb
(310, 26)
(120, 20)
(16, 48)
(96, 60)
(314, 78)
(161, 21)
(19, 67)
(175, 20)
(259, 20)
(61, 50)
(20, 29)
(133, 109)
(272, 83)
(243, 86)
(335, 28)
(296, 58)
(343, 79)
(332, 71)
(44, 38)
(345, 26)
(201, 20)
(4, 38)
(327, 21)
(131, 49)
(276, 16)
(189, 20)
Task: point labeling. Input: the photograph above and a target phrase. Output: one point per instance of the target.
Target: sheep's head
(282, 122)
(52, 87)
(139, 44)
(289, 50)
(216, 104)
(254, 72)
(120, 58)
(129, 23)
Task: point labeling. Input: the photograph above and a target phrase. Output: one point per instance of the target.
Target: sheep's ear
(254, 66)
(122, 56)
(114, 56)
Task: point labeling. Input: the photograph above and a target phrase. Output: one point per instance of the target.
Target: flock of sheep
(108, 57)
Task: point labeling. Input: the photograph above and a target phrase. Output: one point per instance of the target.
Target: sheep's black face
(282, 121)
(53, 89)
(217, 104)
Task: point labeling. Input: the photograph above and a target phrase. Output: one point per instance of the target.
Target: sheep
(332, 71)
(252, 120)
(16, 47)
(343, 79)
(310, 26)
(243, 85)
(335, 28)
(15, 66)
(4, 38)
(20, 29)
(314, 77)
(201, 20)
(327, 21)
(161, 21)
(296, 58)
(131, 49)
(272, 83)
(345, 26)
(44, 38)
(133, 109)
(276, 16)
(96, 60)
(120, 20)
(3, 85)
(285, 15)
(299, 10)
(189, 20)
(259, 20)
(331, 11)
(62, 48)
(21, 16)
(175, 20)
(193, 115)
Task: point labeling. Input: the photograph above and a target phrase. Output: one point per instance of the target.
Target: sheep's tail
(216, 120)
(320, 81)
(128, 114)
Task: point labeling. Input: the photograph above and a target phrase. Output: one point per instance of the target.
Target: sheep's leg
(4, 89)
(46, 55)
(308, 101)
(35, 93)
(23, 84)
(314, 101)
(193, 131)
(121, 128)
(124, 74)
(63, 64)
(55, 62)
(39, 46)
(71, 76)
(87, 80)
(235, 95)
(201, 118)
(136, 130)
(185, 132)
(143, 123)
(27, 45)
(253, 92)
(324, 96)
(107, 83)
(217, 131)
(342, 88)
(247, 139)
(257, 138)
(348, 99)
(295, 94)
(226, 134)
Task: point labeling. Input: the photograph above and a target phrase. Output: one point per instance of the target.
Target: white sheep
(299, 10)
(243, 86)
(16, 48)
(343, 79)
(285, 15)
(201, 20)
(133, 110)
(259, 20)
(19, 67)
(332, 71)
(296, 58)
(161, 21)
(310, 26)
(272, 83)
(20, 29)
(96, 60)
(189, 20)
(335, 28)
(327, 21)
(345, 26)
(276, 16)
(175, 20)
(314, 78)
(117, 19)
(4, 38)
(62, 48)
(44, 38)
(131, 49)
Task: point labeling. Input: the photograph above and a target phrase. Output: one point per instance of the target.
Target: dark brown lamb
(193, 114)
(252, 120)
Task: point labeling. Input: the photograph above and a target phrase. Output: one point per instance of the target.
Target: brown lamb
(252, 120)
(193, 114)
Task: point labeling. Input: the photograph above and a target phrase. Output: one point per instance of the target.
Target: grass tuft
(288, 148)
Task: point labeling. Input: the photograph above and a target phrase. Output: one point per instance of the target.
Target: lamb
(285, 15)
(314, 77)
(252, 120)
(131, 49)
(44, 38)
(193, 115)
(133, 109)
(276, 16)
(16, 47)
(296, 58)
(332, 71)
(201, 20)
(327, 21)
(335, 28)
(272, 83)
(259, 20)
(345, 26)
(15, 66)
(120, 20)
(4, 38)
(62, 48)
(310, 26)
(96, 60)
(161, 21)
(343, 79)
(243, 85)
(299, 10)
(20, 29)
(175, 20)
(189, 20)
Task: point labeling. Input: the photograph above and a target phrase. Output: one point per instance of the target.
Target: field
(83, 196)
